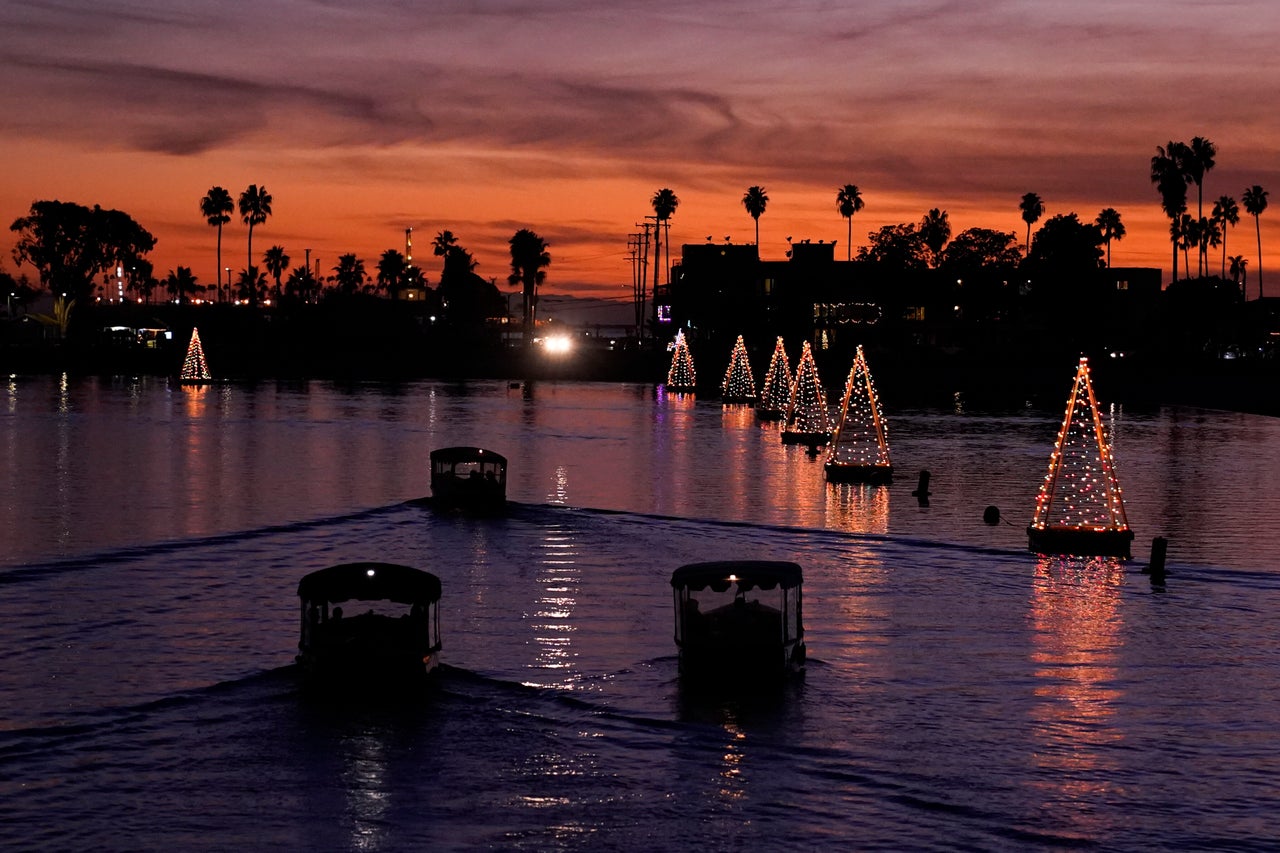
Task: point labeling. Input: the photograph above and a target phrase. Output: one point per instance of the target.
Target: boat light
(369, 572)
(733, 578)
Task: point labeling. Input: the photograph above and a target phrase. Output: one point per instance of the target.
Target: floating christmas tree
(808, 421)
(681, 376)
(775, 399)
(859, 451)
(194, 368)
(1080, 509)
(739, 386)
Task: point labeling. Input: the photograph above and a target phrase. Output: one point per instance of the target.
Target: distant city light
(558, 344)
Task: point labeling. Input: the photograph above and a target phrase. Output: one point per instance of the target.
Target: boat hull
(1082, 542)
(838, 472)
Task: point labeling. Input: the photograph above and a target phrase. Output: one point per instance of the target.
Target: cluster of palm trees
(1174, 168)
(254, 205)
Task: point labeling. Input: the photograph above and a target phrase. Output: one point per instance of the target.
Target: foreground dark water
(962, 692)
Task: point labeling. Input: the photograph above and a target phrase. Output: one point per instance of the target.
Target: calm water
(962, 693)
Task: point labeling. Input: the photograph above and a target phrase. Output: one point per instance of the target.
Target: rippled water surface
(961, 691)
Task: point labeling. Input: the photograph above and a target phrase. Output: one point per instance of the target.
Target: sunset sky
(564, 116)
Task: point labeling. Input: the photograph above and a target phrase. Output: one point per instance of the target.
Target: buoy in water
(922, 489)
(1155, 567)
(991, 515)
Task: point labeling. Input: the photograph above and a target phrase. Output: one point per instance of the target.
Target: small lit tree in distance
(808, 420)
(776, 396)
(194, 368)
(739, 386)
(859, 440)
(681, 376)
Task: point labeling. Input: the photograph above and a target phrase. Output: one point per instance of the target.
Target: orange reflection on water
(1076, 624)
(858, 508)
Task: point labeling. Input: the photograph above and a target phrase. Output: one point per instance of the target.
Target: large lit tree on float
(1080, 509)
(739, 386)
(775, 398)
(808, 421)
(194, 367)
(859, 446)
(681, 376)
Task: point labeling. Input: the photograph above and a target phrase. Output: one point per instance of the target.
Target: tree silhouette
(1255, 201)
(276, 262)
(1239, 274)
(1032, 208)
(392, 270)
(528, 257)
(755, 202)
(1112, 228)
(255, 207)
(1225, 212)
(217, 207)
(349, 274)
(70, 244)
(664, 204)
(301, 284)
(1197, 159)
(1171, 183)
(849, 202)
(252, 284)
(181, 284)
(935, 230)
(441, 244)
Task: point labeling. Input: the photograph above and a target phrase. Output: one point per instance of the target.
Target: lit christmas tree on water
(859, 448)
(194, 368)
(775, 399)
(1080, 509)
(739, 386)
(808, 421)
(681, 376)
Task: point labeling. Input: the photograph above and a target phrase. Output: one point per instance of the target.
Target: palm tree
(255, 207)
(664, 204)
(1225, 212)
(1112, 228)
(252, 284)
(1239, 274)
(849, 202)
(935, 230)
(441, 244)
(392, 269)
(349, 274)
(276, 262)
(1032, 208)
(1255, 201)
(755, 202)
(1197, 159)
(217, 207)
(1171, 183)
(181, 284)
(528, 257)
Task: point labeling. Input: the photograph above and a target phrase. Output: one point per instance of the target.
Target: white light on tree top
(808, 412)
(776, 395)
(1081, 491)
(194, 368)
(860, 437)
(681, 376)
(739, 384)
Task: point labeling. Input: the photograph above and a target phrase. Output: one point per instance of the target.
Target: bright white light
(558, 344)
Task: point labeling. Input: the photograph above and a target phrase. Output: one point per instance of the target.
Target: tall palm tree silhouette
(1032, 208)
(849, 202)
(528, 257)
(1255, 201)
(1197, 159)
(349, 275)
(1239, 273)
(1112, 228)
(1225, 212)
(664, 204)
(255, 207)
(1171, 183)
(755, 202)
(276, 262)
(217, 207)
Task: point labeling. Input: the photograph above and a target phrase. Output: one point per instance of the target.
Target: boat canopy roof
(449, 455)
(719, 575)
(370, 582)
